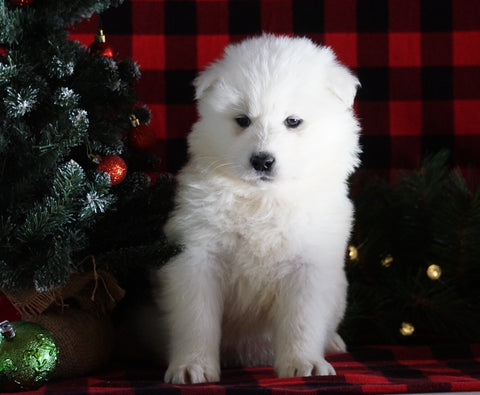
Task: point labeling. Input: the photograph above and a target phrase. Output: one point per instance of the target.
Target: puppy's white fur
(261, 279)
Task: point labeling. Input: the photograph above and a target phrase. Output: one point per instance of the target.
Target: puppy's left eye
(243, 121)
(292, 122)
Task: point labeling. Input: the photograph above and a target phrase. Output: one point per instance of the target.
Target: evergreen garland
(414, 263)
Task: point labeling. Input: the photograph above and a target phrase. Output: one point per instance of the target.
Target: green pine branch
(427, 224)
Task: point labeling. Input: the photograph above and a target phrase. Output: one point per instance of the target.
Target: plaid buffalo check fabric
(369, 370)
(418, 62)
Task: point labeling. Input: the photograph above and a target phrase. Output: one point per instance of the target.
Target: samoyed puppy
(262, 213)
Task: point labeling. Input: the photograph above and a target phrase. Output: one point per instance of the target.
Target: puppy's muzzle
(262, 162)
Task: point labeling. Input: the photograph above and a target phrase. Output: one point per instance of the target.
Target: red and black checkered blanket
(418, 62)
(381, 369)
(419, 65)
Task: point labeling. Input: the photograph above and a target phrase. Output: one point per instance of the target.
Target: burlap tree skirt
(79, 316)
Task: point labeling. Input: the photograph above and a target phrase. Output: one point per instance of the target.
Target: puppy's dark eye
(243, 121)
(292, 122)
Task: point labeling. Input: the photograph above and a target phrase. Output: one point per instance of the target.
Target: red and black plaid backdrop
(418, 62)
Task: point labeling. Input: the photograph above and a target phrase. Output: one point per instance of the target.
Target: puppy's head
(276, 109)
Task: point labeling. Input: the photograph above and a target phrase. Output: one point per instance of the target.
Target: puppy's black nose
(262, 162)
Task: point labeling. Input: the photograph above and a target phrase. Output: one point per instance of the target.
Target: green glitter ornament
(28, 356)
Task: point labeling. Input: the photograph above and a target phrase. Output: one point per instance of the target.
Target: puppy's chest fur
(259, 229)
(254, 236)
(257, 256)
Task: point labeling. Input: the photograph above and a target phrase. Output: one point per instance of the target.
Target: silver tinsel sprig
(114, 148)
(19, 103)
(66, 97)
(7, 72)
(95, 203)
(79, 118)
(60, 68)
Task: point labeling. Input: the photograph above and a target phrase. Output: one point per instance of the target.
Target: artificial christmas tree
(60, 107)
(68, 178)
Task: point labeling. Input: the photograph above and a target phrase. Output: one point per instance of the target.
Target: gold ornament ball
(387, 261)
(353, 253)
(407, 329)
(434, 272)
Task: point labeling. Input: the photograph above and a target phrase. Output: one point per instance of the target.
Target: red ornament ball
(100, 47)
(115, 167)
(141, 138)
(21, 3)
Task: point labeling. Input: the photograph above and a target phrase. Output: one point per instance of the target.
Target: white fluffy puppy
(263, 214)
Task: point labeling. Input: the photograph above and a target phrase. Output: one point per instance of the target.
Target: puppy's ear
(342, 83)
(205, 80)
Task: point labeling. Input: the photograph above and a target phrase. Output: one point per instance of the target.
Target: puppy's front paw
(296, 368)
(336, 345)
(192, 373)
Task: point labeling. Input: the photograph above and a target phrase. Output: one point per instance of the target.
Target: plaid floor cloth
(381, 369)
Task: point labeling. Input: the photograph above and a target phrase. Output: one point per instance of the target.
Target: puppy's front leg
(303, 322)
(192, 301)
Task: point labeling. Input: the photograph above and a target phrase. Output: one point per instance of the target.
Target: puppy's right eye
(243, 121)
